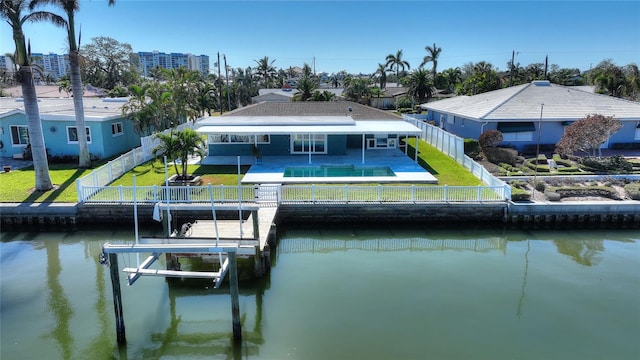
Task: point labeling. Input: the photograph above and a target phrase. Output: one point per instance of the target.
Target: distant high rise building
(53, 64)
(149, 60)
(6, 65)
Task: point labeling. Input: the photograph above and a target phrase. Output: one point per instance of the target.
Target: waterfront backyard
(17, 185)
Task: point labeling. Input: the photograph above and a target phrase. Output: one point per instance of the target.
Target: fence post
(413, 193)
(79, 190)
(446, 193)
(120, 192)
(379, 192)
(279, 193)
(479, 193)
(346, 194)
(221, 192)
(313, 193)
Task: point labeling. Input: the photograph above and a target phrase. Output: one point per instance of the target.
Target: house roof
(314, 108)
(332, 117)
(523, 102)
(394, 91)
(95, 109)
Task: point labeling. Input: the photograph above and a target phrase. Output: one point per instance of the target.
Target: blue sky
(357, 35)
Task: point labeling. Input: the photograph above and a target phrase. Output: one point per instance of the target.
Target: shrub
(540, 186)
(569, 169)
(520, 194)
(490, 138)
(570, 191)
(472, 148)
(539, 168)
(633, 190)
(500, 155)
(552, 196)
(612, 164)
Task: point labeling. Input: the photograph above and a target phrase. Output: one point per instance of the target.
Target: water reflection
(525, 285)
(202, 337)
(58, 302)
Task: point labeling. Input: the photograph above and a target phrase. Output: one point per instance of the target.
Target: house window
(516, 131)
(19, 135)
(637, 137)
(72, 135)
(451, 119)
(116, 129)
(235, 139)
(305, 143)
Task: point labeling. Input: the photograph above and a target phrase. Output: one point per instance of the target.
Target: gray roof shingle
(314, 108)
(523, 102)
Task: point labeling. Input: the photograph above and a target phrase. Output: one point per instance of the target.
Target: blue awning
(511, 127)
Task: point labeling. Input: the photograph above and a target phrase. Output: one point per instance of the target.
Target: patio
(272, 168)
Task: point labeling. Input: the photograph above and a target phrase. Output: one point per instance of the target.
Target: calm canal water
(339, 293)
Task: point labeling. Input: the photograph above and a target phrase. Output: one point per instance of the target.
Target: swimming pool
(337, 171)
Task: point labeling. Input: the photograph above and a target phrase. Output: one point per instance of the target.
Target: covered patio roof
(323, 125)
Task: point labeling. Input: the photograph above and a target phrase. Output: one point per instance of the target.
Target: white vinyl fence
(453, 146)
(273, 195)
(106, 174)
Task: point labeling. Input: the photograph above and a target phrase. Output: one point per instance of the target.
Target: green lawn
(18, 185)
(444, 168)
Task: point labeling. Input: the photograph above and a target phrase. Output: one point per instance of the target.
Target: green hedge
(570, 191)
(633, 190)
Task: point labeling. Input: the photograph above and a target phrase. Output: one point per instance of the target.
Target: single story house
(303, 128)
(108, 133)
(387, 100)
(524, 112)
(286, 94)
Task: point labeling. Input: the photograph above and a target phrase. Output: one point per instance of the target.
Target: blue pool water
(337, 171)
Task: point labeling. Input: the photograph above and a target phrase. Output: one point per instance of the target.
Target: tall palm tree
(396, 61)
(432, 56)
(306, 86)
(12, 11)
(420, 85)
(453, 77)
(70, 7)
(382, 75)
(266, 70)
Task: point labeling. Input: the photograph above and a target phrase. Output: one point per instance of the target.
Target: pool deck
(271, 170)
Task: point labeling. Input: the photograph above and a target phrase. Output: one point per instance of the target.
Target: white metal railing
(453, 146)
(272, 195)
(115, 168)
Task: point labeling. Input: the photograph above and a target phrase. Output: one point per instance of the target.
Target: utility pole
(226, 75)
(220, 86)
(546, 66)
(513, 56)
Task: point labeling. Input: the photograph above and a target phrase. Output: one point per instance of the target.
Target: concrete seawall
(614, 214)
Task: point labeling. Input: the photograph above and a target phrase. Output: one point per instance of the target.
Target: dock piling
(117, 298)
(235, 302)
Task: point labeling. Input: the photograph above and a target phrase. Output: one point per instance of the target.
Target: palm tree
(70, 7)
(382, 75)
(12, 11)
(432, 57)
(306, 86)
(453, 77)
(420, 85)
(266, 69)
(178, 146)
(395, 61)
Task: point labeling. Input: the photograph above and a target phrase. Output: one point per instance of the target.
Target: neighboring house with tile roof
(108, 133)
(290, 128)
(521, 112)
